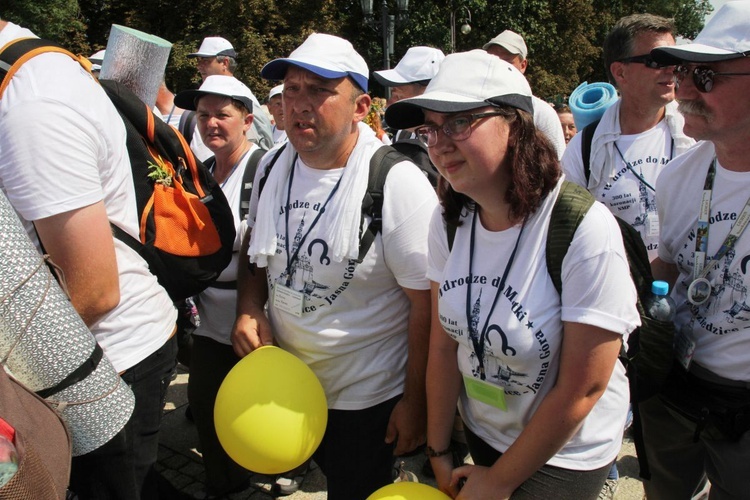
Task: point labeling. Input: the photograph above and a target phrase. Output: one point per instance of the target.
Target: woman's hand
(443, 468)
(476, 482)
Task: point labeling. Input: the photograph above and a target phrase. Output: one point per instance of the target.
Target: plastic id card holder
(288, 300)
(485, 392)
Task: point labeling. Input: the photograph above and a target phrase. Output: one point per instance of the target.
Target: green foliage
(564, 36)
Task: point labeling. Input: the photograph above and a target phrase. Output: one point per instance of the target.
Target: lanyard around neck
(223, 183)
(700, 270)
(291, 259)
(478, 339)
(639, 176)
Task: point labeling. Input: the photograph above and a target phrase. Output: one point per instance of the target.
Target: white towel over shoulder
(343, 216)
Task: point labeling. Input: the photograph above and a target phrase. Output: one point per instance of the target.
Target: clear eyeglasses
(458, 128)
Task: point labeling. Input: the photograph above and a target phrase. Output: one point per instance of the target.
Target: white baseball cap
(327, 56)
(222, 85)
(465, 81)
(725, 36)
(510, 41)
(213, 46)
(277, 90)
(419, 64)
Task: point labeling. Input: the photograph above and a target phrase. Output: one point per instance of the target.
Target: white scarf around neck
(341, 228)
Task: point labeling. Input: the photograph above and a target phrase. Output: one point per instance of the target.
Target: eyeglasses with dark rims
(646, 60)
(703, 76)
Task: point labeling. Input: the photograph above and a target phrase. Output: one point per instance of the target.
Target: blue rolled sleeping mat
(589, 101)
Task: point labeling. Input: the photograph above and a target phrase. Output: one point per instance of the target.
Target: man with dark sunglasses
(698, 429)
(636, 137)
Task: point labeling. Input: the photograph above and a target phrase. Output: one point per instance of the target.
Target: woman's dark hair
(533, 165)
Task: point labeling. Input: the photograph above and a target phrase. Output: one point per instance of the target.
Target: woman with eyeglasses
(534, 372)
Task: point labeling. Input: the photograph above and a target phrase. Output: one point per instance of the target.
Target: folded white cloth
(341, 230)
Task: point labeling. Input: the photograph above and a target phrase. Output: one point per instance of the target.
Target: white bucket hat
(465, 81)
(726, 36)
(327, 56)
(419, 64)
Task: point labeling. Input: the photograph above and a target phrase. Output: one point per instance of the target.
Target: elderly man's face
(508, 57)
(722, 114)
(208, 66)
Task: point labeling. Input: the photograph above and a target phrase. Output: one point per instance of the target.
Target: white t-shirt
(74, 157)
(217, 306)
(721, 326)
(525, 331)
(547, 121)
(627, 196)
(353, 331)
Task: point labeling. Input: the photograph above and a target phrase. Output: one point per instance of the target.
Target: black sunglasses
(644, 59)
(703, 77)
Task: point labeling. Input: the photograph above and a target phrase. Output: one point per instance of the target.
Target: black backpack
(417, 153)
(372, 203)
(186, 225)
(248, 177)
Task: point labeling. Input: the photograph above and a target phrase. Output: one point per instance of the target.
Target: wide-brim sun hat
(213, 46)
(325, 55)
(419, 64)
(726, 36)
(465, 81)
(221, 85)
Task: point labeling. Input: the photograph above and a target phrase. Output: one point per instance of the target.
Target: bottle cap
(660, 287)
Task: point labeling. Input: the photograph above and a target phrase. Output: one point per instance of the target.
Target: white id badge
(653, 224)
(288, 300)
(684, 346)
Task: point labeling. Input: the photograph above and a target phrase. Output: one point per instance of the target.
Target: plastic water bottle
(8, 460)
(660, 305)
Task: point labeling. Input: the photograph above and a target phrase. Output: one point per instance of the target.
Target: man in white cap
(216, 56)
(276, 108)
(635, 138)
(410, 78)
(361, 324)
(85, 186)
(510, 47)
(698, 427)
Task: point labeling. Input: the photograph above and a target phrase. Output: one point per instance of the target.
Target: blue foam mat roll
(589, 101)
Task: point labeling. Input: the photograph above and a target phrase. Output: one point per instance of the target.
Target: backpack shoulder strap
(186, 125)
(586, 138)
(17, 52)
(267, 169)
(372, 204)
(247, 181)
(570, 208)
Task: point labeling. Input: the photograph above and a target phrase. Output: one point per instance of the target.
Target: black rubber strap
(80, 373)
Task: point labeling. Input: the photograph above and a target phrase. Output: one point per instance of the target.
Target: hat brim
(409, 113)
(228, 52)
(187, 99)
(693, 52)
(276, 70)
(390, 78)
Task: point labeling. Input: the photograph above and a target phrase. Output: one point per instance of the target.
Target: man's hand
(407, 426)
(250, 332)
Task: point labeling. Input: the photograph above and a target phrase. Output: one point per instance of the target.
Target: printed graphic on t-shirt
(727, 309)
(312, 257)
(629, 193)
(520, 368)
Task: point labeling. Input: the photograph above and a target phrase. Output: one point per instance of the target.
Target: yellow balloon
(270, 412)
(408, 491)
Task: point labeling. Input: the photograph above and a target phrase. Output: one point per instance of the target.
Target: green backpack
(648, 357)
